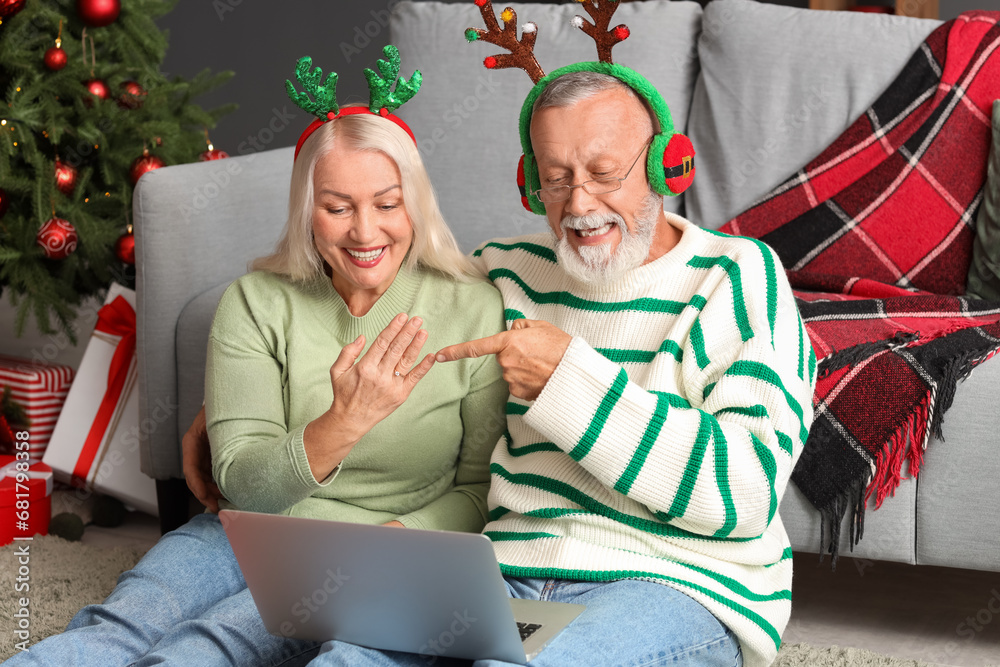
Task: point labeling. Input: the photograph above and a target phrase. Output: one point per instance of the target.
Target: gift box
(95, 444)
(25, 498)
(39, 391)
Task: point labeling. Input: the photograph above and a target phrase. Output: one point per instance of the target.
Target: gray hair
(575, 87)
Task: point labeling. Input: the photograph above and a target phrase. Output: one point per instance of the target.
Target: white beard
(598, 265)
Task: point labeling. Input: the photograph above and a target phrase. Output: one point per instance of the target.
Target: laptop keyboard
(527, 629)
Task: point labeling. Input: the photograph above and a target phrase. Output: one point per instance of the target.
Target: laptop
(435, 593)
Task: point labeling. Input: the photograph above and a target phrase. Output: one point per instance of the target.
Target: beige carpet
(65, 576)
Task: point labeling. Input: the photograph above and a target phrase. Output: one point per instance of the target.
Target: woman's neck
(359, 301)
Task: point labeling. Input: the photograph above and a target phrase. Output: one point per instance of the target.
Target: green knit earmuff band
(637, 82)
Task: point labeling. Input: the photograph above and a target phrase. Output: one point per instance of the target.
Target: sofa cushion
(193, 325)
(777, 86)
(984, 271)
(466, 117)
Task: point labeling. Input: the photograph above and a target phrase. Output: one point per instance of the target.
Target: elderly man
(661, 385)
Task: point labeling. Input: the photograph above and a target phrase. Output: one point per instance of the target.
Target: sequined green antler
(324, 94)
(380, 83)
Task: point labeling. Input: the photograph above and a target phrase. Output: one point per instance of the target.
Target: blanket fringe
(907, 444)
(850, 500)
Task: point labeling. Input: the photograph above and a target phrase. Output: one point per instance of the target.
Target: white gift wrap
(115, 468)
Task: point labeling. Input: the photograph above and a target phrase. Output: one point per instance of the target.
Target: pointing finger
(474, 348)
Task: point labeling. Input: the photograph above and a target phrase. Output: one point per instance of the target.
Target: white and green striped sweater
(661, 446)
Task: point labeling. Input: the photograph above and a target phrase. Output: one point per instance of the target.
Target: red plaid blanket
(873, 233)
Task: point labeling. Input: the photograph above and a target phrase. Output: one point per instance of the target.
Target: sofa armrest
(196, 226)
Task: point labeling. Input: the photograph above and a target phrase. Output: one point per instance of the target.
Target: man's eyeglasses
(597, 186)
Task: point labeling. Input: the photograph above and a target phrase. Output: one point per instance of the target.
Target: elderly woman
(317, 401)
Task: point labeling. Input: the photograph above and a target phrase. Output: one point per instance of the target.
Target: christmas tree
(86, 112)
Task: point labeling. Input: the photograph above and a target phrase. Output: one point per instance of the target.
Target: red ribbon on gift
(118, 319)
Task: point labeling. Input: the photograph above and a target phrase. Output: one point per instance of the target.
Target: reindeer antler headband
(670, 163)
(388, 91)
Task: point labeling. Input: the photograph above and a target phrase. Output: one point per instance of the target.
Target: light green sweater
(268, 375)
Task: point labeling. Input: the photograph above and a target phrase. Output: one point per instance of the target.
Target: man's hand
(528, 354)
(198, 463)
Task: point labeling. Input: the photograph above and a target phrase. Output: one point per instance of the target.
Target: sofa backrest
(777, 86)
(465, 117)
(760, 89)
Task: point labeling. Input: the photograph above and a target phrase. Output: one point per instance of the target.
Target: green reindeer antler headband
(388, 91)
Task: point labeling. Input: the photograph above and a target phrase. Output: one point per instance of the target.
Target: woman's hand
(366, 392)
(198, 463)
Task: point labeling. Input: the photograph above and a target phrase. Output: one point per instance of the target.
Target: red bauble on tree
(4, 202)
(58, 238)
(212, 153)
(55, 58)
(143, 164)
(66, 176)
(10, 7)
(96, 88)
(132, 94)
(125, 247)
(98, 13)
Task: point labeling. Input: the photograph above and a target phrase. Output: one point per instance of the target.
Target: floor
(943, 616)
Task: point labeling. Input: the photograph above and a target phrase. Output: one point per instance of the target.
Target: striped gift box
(41, 390)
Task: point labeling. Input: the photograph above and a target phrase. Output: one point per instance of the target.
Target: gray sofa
(759, 88)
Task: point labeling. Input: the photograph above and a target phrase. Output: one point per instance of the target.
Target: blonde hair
(433, 247)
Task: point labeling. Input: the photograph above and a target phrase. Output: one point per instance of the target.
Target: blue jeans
(627, 622)
(184, 603)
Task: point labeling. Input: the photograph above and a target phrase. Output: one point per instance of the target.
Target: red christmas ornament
(55, 59)
(125, 248)
(58, 238)
(490, 62)
(143, 164)
(96, 88)
(65, 178)
(98, 13)
(132, 94)
(622, 32)
(213, 154)
(4, 202)
(10, 7)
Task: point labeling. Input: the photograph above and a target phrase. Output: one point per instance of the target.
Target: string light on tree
(55, 57)
(58, 238)
(98, 13)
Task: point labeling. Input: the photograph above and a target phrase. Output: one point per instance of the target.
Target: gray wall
(262, 43)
